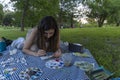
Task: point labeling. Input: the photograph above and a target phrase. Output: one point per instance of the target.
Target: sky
(9, 5)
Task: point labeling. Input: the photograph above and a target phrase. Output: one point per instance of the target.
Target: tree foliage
(1, 13)
(8, 19)
(33, 10)
(68, 9)
(115, 16)
(101, 9)
(29, 12)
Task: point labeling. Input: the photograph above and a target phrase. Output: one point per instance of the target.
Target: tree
(33, 10)
(100, 9)
(22, 5)
(8, 19)
(42, 8)
(68, 9)
(1, 13)
(115, 16)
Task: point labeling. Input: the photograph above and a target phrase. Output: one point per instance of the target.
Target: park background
(93, 23)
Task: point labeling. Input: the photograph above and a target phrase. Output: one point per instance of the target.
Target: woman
(43, 38)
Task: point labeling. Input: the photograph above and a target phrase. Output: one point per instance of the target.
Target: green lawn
(103, 43)
(11, 33)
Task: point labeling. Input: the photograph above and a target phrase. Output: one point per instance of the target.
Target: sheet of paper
(46, 57)
(81, 54)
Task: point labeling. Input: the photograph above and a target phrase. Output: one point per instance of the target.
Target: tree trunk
(101, 21)
(22, 20)
(60, 18)
(71, 20)
(100, 24)
(25, 8)
(117, 23)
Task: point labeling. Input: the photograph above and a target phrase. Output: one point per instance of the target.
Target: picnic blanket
(14, 63)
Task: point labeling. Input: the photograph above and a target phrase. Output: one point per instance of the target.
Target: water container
(2, 46)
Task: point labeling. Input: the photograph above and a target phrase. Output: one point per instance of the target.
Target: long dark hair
(48, 23)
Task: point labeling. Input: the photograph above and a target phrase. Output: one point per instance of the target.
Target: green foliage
(35, 10)
(115, 17)
(69, 5)
(89, 25)
(8, 19)
(1, 13)
(68, 9)
(102, 9)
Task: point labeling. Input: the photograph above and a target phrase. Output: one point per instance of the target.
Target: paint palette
(54, 64)
(30, 74)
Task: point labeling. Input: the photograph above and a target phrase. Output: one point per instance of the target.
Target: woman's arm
(29, 42)
(58, 53)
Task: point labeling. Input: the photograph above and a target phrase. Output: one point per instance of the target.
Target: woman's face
(49, 33)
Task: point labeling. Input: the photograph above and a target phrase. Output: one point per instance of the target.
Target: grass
(103, 43)
(12, 33)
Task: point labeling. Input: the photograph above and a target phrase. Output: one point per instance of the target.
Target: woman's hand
(57, 53)
(41, 53)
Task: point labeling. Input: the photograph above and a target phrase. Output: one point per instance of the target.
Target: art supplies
(83, 65)
(67, 59)
(81, 54)
(99, 74)
(31, 74)
(54, 64)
